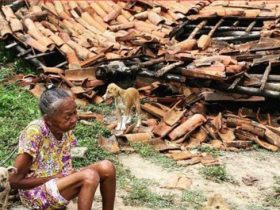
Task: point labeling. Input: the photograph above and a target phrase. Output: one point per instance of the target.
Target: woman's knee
(90, 176)
(107, 168)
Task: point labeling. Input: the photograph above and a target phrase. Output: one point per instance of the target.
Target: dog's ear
(118, 92)
(12, 169)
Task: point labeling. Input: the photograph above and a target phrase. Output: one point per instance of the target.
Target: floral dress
(50, 157)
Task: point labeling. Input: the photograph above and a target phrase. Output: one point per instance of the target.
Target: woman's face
(65, 117)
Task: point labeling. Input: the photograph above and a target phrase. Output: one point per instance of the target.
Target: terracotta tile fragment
(239, 144)
(90, 115)
(179, 182)
(138, 137)
(173, 116)
(191, 123)
(38, 90)
(209, 160)
(182, 155)
(109, 144)
(77, 90)
(162, 129)
(158, 112)
(192, 161)
(80, 74)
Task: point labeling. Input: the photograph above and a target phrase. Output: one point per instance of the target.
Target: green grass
(6, 72)
(146, 151)
(17, 109)
(273, 199)
(210, 150)
(255, 207)
(216, 173)
(101, 108)
(18, 65)
(87, 137)
(140, 195)
(193, 200)
(276, 186)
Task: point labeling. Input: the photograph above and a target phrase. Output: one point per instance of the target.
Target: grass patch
(6, 72)
(17, 109)
(193, 200)
(101, 108)
(274, 199)
(22, 66)
(140, 195)
(87, 137)
(216, 173)
(209, 150)
(147, 151)
(255, 207)
(18, 65)
(276, 186)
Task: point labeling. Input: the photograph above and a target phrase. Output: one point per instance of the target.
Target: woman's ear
(47, 119)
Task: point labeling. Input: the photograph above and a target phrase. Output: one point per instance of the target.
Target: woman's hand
(60, 175)
(19, 180)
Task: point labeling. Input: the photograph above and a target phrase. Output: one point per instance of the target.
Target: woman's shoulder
(36, 127)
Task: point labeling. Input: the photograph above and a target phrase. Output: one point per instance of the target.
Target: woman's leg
(107, 174)
(82, 184)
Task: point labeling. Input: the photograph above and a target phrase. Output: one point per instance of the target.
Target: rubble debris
(179, 182)
(109, 144)
(184, 155)
(79, 152)
(249, 180)
(182, 56)
(90, 115)
(189, 125)
(136, 137)
(164, 36)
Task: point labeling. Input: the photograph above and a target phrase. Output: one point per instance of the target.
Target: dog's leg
(123, 125)
(119, 117)
(125, 117)
(138, 113)
(129, 116)
(119, 125)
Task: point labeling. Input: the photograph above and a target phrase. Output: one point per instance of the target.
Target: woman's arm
(18, 181)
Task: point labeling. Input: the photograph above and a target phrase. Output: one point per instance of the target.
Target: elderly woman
(46, 178)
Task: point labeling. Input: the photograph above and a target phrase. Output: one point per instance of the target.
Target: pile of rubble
(174, 129)
(226, 51)
(230, 46)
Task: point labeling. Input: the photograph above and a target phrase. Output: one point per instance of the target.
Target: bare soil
(261, 165)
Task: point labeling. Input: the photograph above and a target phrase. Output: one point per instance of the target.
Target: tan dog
(5, 186)
(125, 100)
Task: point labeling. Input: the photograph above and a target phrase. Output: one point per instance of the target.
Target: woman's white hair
(51, 99)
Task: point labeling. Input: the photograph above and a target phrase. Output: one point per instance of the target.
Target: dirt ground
(261, 165)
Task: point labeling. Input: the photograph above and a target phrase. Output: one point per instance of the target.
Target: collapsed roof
(232, 44)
